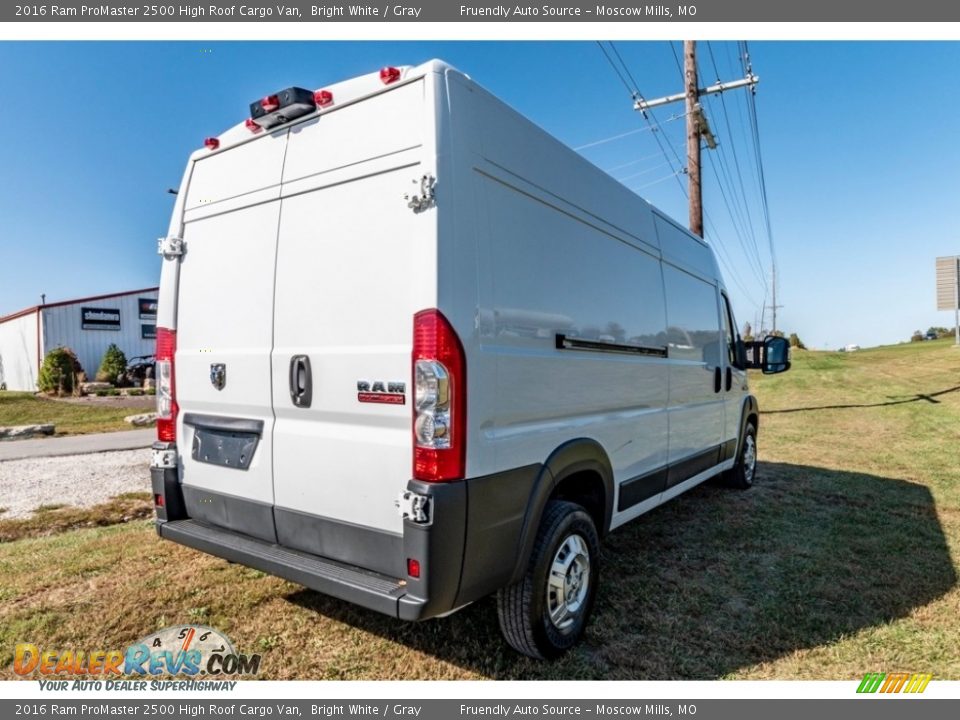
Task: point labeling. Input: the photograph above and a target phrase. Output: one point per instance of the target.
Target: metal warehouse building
(86, 326)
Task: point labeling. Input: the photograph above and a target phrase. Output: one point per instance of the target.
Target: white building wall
(62, 325)
(18, 353)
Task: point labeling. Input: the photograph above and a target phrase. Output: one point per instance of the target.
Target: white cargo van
(412, 351)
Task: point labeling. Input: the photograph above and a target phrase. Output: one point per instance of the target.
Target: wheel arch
(578, 471)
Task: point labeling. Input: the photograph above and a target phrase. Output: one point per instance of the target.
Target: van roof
(344, 92)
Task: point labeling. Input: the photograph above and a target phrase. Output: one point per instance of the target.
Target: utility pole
(773, 306)
(694, 130)
(697, 125)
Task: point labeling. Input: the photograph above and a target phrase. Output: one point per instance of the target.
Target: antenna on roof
(43, 298)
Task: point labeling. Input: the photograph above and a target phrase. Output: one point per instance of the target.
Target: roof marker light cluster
(290, 104)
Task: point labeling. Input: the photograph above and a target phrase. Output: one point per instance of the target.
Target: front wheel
(545, 613)
(742, 474)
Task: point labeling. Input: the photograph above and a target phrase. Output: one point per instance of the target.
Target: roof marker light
(252, 126)
(270, 103)
(389, 75)
(323, 98)
(211, 143)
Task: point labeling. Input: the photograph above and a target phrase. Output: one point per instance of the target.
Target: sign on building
(99, 318)
(148, 307)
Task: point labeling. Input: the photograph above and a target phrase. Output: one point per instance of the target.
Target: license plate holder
(224, 447)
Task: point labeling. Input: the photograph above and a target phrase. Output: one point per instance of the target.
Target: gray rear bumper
(367, 589)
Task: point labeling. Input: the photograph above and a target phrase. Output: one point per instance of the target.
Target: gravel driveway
(78, 480)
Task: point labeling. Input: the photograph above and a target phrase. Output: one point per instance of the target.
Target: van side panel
(554, 274)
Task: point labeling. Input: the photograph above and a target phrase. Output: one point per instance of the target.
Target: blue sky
(858, 141)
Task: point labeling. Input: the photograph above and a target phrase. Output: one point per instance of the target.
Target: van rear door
(354, 264)
(225, 335)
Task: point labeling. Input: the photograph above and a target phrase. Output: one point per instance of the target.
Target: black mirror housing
(776, 355)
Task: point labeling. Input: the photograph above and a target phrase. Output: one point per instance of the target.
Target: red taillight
(252, 126)
(323, 98)
(413, 568)
(440, 399)
(389, 75)
(270, 103)
(167, 408)
(158, 499)
(211, 143)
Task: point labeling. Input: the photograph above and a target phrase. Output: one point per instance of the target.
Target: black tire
(742, 475)
(524, 608)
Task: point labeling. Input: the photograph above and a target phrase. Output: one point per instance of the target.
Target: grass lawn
(24, 408)
(843, 559)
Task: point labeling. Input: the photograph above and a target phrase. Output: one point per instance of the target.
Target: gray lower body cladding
(469, 550)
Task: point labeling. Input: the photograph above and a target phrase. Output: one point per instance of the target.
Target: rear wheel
(545, 613)
(741, 475)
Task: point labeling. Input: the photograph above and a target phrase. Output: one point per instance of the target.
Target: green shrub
(113, 365)
(135, 392)
(151, 391)
(59, 371)
(112, 392)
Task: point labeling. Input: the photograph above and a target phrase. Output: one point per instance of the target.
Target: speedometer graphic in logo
(182, 649)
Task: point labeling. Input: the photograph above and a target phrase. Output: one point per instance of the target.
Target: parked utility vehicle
(412, 351)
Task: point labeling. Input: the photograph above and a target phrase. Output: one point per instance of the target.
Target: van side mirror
(772, 355)
(776, 355)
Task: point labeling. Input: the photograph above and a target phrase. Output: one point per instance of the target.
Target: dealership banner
(477, 11)
(418, 709)
(96, 318)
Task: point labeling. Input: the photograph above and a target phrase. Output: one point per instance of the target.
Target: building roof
(91, 298)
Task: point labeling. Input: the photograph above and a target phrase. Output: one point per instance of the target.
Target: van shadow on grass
(719, 580)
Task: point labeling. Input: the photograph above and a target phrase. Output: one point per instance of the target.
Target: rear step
(363, 587)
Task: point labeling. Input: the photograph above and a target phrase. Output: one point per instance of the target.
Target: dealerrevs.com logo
(181, 650)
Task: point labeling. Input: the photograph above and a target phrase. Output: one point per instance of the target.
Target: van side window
(729, 328)
(693, 330)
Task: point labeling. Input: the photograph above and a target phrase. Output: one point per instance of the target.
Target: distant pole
(692, 91)
(774, 299)
(773, 306)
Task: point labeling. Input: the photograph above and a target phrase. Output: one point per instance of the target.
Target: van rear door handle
(301, 381)
(729, 378)
(717, 386)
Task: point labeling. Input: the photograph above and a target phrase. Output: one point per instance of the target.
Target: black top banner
(452, 11)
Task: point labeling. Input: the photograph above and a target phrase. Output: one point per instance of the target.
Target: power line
(736, 162)
(644, 172)
(664, 143)
(612, 138)
(757, 270)
(632, 162)
(650, 118)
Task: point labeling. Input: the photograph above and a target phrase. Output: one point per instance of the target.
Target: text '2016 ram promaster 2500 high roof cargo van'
(454, 355)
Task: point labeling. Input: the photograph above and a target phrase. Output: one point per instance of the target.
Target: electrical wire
(736, 163)
(612, 138)
(664, 143)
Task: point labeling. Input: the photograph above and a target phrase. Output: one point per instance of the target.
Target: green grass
(843, 559)
(23, 408)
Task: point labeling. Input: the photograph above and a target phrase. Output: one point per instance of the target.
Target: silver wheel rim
(749, 458)
(568, 583)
